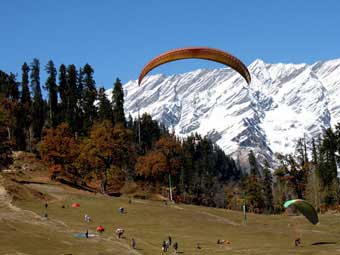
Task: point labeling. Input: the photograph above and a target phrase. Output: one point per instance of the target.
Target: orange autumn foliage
(166, 158)
(59, 149)
(105, 147)
(152, 164)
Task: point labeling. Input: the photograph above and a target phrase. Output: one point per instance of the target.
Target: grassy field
(24, 231)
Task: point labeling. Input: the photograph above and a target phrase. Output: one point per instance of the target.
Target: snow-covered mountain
(283, 103)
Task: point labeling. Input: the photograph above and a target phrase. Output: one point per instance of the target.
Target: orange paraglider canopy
(75, 205)
(197, 53)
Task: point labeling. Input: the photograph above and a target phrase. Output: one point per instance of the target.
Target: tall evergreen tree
(26, 103)
(5, 145)
(267, 188)
(129, 123)
(13, 90)
(15, 109)
(25, 93)
(70, 105)
(328, 157)
(104, 107)
(80, 84)
(118, 103)
(63, 93)
(314, 153)
(38, 113)
(337, 135)
(89, 97)
(51, 87)
(252, 185)
(254, 169)
(327, 169)
(80, 103)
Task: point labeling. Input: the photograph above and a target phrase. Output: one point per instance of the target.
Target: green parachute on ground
(305, 208)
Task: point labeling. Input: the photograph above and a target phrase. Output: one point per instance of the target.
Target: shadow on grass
(321, 243)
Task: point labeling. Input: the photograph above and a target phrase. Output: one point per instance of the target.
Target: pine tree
(80, 103)
(337, 135)
(267, 188)
(252, 185)
(104, 107)
(254, 170)
(71, 97)
(297, 176)
(38, 113)
(148, 131)
(13, 90)
(118, 103)
(129, 123)
(63, 93)
(327, 169)
(314, 153)
(253, 189)
(25, 93)
(16, 110)
(26, 103)
(51, 87)
(5, 145)
(90, 96)
(19, 129)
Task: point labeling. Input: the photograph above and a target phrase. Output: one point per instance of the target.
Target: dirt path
(5, 199)
(9, 212)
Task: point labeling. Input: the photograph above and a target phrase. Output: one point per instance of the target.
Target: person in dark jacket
(164, 247)
(175, 246)
(133, 243)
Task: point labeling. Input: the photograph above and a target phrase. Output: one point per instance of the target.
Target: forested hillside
(86, 139)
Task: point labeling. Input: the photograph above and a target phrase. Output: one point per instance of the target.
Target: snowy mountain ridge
(283, 103)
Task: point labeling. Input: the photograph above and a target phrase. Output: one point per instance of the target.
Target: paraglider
(197, 53)
(305, 208)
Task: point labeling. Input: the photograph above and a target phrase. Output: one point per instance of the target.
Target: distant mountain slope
(283, 103)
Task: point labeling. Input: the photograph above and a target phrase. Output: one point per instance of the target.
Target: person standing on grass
(87, 233)
(175, 246)
(164, 247)
(133, 243)
(297, 241)
(169, 239)
(45, 214)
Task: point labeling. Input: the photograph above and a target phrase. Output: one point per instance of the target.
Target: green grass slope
(23, 230)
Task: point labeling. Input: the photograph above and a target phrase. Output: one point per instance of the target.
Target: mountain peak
(284, 103)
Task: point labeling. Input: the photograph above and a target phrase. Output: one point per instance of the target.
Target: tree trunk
(9, 133)
(30, 131)
(104, 182)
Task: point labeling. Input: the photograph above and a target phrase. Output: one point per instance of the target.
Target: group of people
(167, 244)
(119, 231)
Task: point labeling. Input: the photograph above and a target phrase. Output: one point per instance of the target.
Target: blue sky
(118, 37)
